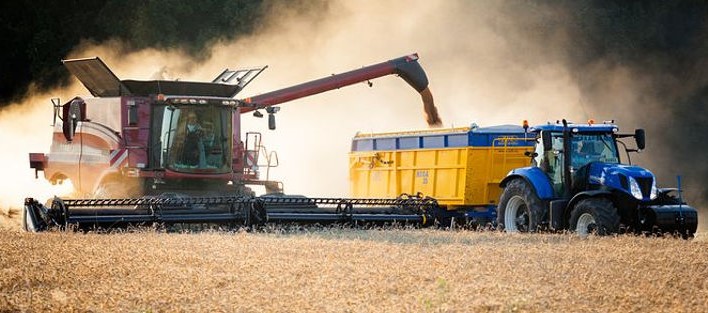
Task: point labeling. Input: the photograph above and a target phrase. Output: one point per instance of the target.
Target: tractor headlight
(634, 188)
(654, 192)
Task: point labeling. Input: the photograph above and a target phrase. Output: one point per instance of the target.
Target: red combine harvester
(159, 151)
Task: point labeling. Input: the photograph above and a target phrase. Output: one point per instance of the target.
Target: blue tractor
(577, 182)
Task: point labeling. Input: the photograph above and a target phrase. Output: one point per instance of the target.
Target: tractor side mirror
(547, 141)
(639, 136)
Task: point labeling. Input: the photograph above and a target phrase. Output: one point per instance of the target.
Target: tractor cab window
(556, 159)
(196, 139)
(587, 148)
(551, 162)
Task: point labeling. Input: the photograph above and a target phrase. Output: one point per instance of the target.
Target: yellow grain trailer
(460, 167)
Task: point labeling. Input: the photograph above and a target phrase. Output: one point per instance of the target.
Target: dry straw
(349, 270)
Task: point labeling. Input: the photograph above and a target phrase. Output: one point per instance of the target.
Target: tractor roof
(583, 128)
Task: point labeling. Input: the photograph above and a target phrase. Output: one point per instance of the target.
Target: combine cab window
(196, 139)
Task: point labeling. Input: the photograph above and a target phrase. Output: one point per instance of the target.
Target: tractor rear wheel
(519, 209)
(594, 215)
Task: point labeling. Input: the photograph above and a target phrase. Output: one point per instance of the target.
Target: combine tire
(594, 215)
(519, 208)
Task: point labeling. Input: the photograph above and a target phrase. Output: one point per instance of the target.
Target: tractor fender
(535, 177)
(587, 194)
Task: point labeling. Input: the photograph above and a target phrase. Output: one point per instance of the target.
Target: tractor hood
(634, 180)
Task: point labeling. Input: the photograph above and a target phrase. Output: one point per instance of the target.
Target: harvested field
(349, 270)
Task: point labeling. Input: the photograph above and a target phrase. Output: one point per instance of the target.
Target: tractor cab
(588, 143)
(577, 182)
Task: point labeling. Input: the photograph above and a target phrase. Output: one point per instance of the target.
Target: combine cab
(162, 151)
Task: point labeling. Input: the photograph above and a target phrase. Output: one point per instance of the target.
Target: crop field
(348, 270)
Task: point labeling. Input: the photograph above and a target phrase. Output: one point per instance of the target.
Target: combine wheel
(519, 207)
(594, 215)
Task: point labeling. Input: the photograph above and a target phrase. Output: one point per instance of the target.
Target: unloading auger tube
(85, 214)
(406, 67)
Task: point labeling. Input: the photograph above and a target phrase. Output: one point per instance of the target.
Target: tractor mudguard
(586, 194)
(535, 177)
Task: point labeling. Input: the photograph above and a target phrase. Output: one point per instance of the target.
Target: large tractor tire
(594, 215)
(519, 209)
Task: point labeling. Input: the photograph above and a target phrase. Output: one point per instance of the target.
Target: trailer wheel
(519, 208)
(594, 215)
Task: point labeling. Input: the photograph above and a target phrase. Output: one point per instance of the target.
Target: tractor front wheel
(594, 215)
(519, 208)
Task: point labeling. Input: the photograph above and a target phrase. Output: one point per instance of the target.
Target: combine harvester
(575, 180)
(169, 152)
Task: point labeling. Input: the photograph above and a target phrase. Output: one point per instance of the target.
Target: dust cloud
(474, 77)
(24, 128)
(483, 62)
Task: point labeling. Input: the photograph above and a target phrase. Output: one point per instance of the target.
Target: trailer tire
(519, 209)
(595, 215)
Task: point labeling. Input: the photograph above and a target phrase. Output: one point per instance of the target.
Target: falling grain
(431, 112)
